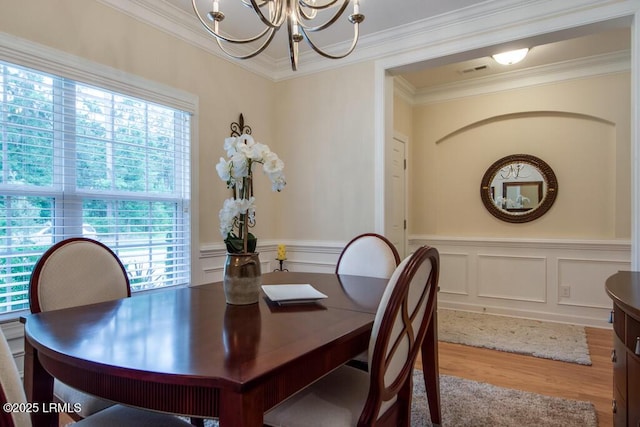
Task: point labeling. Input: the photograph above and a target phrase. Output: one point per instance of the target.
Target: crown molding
(30, 54)
(404, 90)
(476, 26)
(598, 65)
(184, 26)
(176, 22)
(450, 33)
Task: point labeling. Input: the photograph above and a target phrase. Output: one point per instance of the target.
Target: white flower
(230, 145)
(240, 168)
(227, 216)
(232, 208)
(256, 152)
(277, 182)
(246, 140)
(224, 170)
(272, 163)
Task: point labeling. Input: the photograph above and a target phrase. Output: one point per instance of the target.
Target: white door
(397, 209)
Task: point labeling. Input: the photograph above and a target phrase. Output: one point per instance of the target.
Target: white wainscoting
(523, 278)
(515, 277)
(317, 257)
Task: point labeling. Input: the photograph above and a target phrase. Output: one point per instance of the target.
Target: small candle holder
(281, 261)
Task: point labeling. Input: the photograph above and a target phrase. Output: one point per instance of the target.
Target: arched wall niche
(521, 115)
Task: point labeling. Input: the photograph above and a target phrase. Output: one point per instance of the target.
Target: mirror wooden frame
(549, 197)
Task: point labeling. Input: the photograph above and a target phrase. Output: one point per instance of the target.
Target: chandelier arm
(328, 23)
(279, 15)
(328, 55)
(293, 47)
(308, 17)
(319, 7)
(219, 36)
(247, 3)
(302, 13)
(272, 33)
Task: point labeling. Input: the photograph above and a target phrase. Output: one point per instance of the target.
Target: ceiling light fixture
(299, 16)
(511, 57)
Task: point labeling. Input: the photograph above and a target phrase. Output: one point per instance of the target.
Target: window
(79, 160)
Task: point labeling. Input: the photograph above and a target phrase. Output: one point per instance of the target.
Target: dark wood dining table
(185, 351)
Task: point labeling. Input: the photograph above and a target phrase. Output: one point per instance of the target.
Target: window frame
(51, 61)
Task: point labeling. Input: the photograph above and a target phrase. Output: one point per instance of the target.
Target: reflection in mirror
(518, 188)
(520, 196)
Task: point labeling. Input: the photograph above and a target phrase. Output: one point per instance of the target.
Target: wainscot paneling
(557, 280)
(521, 278)
(457, 279)
(583, 279)
(316, 257)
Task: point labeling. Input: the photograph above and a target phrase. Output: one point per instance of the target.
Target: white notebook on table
(293, 294)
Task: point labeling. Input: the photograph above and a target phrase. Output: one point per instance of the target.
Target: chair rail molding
(302, 255)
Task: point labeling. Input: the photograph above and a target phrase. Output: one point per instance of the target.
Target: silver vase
(242, 278)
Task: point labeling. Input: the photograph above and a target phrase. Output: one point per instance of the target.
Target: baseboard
(594, 322)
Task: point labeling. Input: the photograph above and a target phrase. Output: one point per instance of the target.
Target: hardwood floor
(569, 380)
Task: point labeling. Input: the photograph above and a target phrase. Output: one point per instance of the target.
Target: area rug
(467, 403)
(548, 340)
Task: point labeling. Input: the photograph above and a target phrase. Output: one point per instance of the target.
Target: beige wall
(325, 122)
(402, 116)
(580, 128)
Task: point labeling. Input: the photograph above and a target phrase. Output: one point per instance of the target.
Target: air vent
(473, 69)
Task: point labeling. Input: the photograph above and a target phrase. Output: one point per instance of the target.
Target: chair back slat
(401, 322)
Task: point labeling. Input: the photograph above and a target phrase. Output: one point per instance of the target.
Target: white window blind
(78, 160)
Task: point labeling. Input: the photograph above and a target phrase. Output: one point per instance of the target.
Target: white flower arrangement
(238, 211)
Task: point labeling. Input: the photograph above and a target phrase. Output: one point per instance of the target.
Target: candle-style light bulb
(356, 7)
(215, 6)
(282, 252)
(295, 32)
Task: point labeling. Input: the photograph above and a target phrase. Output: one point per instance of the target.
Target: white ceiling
(382, 17)
(585, 46)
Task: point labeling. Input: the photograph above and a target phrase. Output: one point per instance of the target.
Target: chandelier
(299, 16)
(513, 171)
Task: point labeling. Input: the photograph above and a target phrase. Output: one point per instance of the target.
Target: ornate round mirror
(519, 188)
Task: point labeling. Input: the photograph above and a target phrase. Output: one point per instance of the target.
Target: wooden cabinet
(624, 289)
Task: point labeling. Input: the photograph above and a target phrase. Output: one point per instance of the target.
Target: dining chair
(12, 393)
(73, 272)
(348, 396)
(369, 254)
